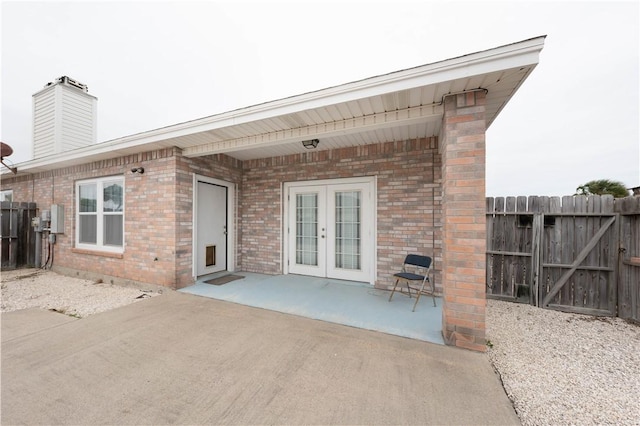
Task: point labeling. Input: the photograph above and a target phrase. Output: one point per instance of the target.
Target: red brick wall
(150, 217)
(408, 219)
(464, 240)
(218, 166)
(158, 214)
(159, 211)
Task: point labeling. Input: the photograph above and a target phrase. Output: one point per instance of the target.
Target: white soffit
(400, 105)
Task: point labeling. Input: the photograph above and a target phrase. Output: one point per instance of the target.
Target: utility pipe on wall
(38, 248)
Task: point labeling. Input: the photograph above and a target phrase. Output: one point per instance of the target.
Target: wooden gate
(578, 255)
(18, 237)
(554, 253)
(629, 259)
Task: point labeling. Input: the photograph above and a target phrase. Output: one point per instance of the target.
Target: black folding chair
(415, 270)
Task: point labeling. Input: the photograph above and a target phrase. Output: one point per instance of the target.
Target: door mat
(224, 280)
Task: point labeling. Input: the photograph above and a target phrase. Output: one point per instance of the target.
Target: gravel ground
(566, 369)
(36, 288)
(557, 368)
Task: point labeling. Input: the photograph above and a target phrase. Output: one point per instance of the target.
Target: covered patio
(340, 183)
(349, 303)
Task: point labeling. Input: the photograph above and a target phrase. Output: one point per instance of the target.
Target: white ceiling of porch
(394, 116)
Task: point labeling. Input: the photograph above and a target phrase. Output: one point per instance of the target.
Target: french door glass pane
(348, 229)
(307, 229)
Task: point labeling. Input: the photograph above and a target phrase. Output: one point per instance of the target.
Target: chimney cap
(68, 81)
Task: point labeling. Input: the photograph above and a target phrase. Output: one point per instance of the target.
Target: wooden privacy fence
(575, 253)
(18, 237)
(629, 258)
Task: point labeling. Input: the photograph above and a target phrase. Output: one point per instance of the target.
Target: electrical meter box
(36, 223)
(57, 219)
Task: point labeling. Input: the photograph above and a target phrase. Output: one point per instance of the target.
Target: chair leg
(433, 292)
(394, 289)
(415, 304)
(433, 296)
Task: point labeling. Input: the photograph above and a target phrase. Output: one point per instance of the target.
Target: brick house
(341, 182)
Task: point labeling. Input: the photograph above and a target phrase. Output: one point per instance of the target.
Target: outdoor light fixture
(311, 143)
(137, 170)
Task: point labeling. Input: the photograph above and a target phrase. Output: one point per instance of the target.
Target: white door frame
(231, 221)
(370, 180)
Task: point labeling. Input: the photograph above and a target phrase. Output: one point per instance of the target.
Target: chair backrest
(418, 260)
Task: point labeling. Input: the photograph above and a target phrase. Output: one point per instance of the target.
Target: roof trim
(513, 55)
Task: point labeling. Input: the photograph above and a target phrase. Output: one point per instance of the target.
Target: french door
(331, 229)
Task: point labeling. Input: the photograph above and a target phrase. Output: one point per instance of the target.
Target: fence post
(538, 223)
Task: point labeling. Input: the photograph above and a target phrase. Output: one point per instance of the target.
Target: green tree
(602, 187)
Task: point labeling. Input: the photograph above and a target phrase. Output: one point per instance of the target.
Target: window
(100, 214)
(6, 195)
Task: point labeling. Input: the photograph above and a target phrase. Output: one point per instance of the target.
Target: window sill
(97, 253)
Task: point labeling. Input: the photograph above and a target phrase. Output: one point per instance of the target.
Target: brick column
(463, 219)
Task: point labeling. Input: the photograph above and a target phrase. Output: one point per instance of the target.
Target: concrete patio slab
(182, 359)
(342, 302)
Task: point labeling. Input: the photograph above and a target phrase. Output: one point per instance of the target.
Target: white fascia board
(506, 57)
(511, 56)
(524, 53)
(84, 155)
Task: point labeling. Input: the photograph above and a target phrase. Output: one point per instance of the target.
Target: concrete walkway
(183, 359)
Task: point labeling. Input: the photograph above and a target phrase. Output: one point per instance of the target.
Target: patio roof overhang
(401, 105)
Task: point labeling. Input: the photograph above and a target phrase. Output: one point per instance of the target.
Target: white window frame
(99, 245)
(4, 193)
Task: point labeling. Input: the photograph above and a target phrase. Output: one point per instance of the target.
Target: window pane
(88, 228)
(88, 198)
(307, 229)
(348, 224)
(113, 230)
(112, 197)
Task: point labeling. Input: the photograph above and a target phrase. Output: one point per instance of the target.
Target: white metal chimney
(64, 117)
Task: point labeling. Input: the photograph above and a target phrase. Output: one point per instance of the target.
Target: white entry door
(212, 232)
(331, 230)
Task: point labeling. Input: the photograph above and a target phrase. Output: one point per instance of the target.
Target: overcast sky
(153, 64)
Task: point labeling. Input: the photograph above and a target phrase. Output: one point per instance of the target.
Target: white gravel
(37, 288)
(557, 368)
(565, 369)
